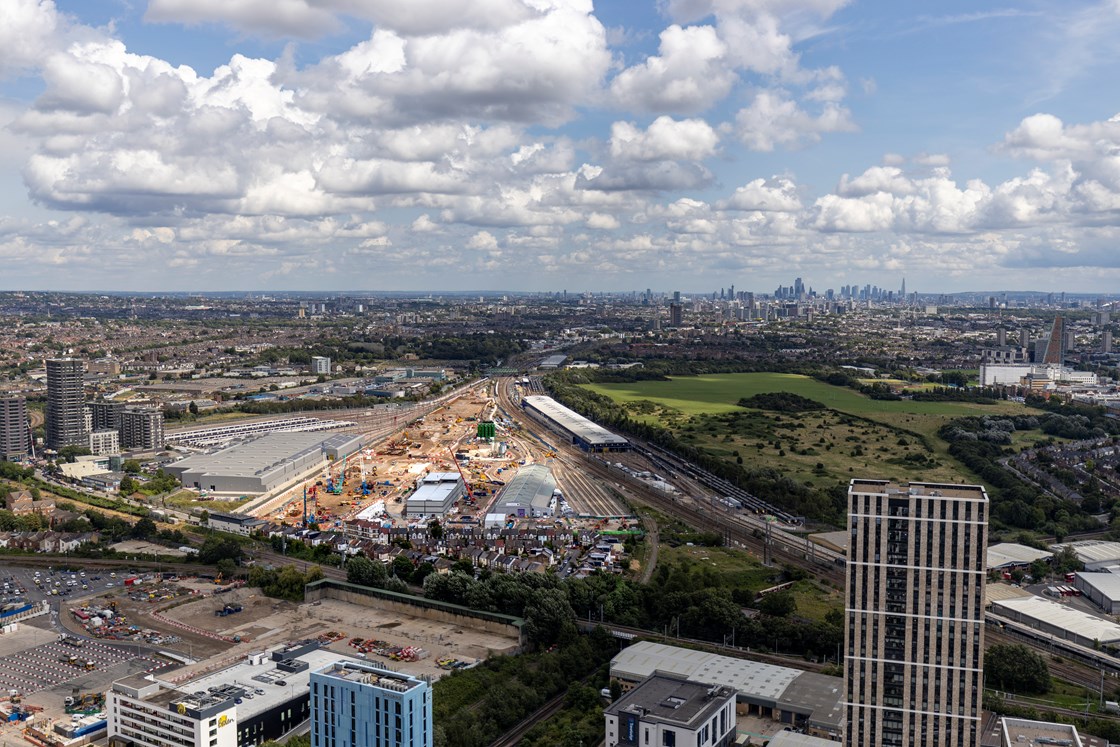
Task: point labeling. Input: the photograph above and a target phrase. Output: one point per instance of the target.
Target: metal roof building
(435, 494)
(528, 494)
(582, 432)
(787, 695)
(1095, 554)
(260, 465)
(1103, 589)
(1010, 555)
(1059, 620)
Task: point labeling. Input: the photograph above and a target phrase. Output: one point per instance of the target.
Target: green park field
(718, 393)
(856, 436)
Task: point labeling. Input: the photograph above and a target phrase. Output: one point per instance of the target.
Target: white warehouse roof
(1106, 584)
(1007, 554)
(1093, 552)
(1081, 624)
(573, 422)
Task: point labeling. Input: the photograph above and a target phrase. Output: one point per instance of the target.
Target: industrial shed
(1007, 555)
(435, 494)
(1102, 589)
(1059, 620)
(528, 494)
(576, 428)
(1095, 554)
(263, 464)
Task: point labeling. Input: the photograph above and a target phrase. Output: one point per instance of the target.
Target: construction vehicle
(85, 703)
(218, 578)
(229, 609)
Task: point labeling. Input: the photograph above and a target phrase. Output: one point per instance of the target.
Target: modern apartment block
(66, 412)
(915, 614)
(320, 365)
(355, 704)
(141, 428)
(14, 437)
(106, 414)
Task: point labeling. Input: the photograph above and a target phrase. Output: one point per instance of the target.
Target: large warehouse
(804, 699)
(1059, 620)
(528, 494)
(1097, 555)
(582, 432)
(1103, 589)
(263, 464)
(435, 494)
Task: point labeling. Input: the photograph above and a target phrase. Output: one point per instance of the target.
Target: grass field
(717, 393)
(813, 447)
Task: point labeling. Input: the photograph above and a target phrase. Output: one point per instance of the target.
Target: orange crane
(466, 484)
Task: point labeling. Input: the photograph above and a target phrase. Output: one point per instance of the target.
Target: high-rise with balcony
(14, 438)
(915, 614)
(66, 415)
(355, 704)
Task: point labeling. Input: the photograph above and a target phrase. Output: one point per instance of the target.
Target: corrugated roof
(533, 485)
(572, 421)
(1106, 584)
(1092, 551)
(1009, 553)
(1079, 623)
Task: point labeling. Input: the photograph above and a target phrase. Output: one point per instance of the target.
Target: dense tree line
(975, 443)
(781, 402)
(1015, 668)
(285, 583)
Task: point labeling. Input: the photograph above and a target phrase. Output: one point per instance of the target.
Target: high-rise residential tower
(354, 704)
(915, 614)
(14, 437)
(66, 417)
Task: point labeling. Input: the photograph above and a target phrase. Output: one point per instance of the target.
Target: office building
(676, 315)
(15, 439)
(915, 614)
(320, 365)
(141, 428)
(66, 412)
(355, 704)
(671, 711)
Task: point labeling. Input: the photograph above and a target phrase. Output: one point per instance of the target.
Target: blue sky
(544, 144)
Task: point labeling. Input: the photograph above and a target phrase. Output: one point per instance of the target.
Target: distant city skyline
(319, 144)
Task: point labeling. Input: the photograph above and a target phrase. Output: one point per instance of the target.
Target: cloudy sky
(548, 144)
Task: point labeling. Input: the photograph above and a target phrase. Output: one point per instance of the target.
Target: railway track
(513, 737)
(1060, 667)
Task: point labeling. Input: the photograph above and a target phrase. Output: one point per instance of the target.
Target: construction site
(54, 685)
(467, 437)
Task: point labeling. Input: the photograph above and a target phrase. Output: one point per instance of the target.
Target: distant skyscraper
(14, 439)
(1106, 341)
(902, 293)
(354, 704)
(676, 296)
(915, 609)
(66, 416)
(676, 315)
(1054, 352)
